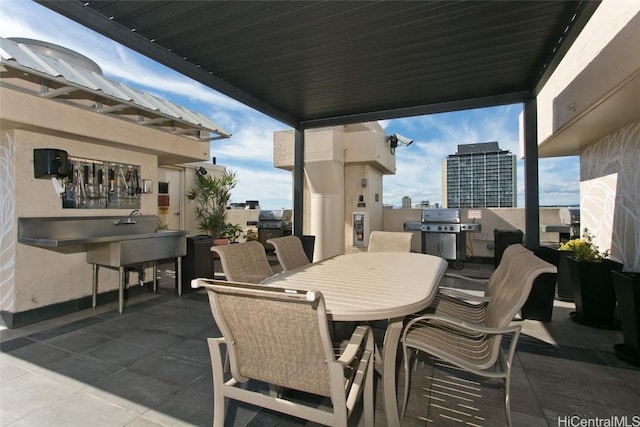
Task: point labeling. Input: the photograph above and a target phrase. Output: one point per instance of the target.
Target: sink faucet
(129, 220)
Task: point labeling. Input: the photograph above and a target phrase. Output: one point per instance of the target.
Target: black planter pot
(627, 288)
(308, 245)
(593, 293)
(539, 305)
(565, 288)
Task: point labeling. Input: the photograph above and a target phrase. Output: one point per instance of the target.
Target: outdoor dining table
(372, 286)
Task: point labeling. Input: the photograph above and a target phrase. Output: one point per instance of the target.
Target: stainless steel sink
(112, 242)
(137, 248)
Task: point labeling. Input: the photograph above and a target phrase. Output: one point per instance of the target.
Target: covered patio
(319, 64)
(151, 367)
(310, 65)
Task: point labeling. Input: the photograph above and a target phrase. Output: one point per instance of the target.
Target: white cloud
(252, 140)
(419, 166)
(272, 187)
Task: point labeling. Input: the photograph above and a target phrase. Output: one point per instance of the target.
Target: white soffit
(22, 57)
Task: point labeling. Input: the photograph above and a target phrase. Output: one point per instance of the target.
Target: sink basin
(110, 241)
(136, 248)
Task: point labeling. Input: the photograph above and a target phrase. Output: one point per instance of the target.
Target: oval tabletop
(369, 286)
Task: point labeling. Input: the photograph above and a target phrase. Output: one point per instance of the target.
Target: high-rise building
(406, 202)
(479, 176)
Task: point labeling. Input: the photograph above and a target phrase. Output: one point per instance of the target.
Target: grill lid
(442, 216)
(274, 215)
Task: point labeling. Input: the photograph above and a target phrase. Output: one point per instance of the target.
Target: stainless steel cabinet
(450, 246)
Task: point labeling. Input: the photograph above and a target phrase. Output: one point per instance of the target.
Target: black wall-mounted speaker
(48, 162)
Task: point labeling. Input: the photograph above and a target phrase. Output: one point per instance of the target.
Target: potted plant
(232, 232)
(250, 235)
(627, 287)
(539, 304)
(564, 286)
(212, 196)
(590, 273)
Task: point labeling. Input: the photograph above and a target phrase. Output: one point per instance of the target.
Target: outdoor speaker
(48, 162)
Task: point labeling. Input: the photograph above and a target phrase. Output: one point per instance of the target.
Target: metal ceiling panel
(315, 63)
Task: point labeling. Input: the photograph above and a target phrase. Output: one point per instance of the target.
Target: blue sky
(249, 151)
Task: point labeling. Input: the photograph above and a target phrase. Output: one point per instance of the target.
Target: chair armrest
(458, 324)
(470, 279)
(461, 295)
(354, 345)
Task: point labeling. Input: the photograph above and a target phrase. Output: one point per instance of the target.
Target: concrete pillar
(326, 187)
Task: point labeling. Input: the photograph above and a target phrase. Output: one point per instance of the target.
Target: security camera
(395, 139)
(403, 140)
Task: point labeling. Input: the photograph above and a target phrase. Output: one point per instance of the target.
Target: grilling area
(272, 224)
(443, 234)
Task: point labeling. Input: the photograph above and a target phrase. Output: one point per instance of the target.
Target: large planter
(627, 288)
(565, 288)
(593, 293)
(308, 244)
(219, 242)
(198, 261)
(539, 304)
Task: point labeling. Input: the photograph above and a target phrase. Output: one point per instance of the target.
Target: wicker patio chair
(289, 251)
(281, 337)
(244, 262)
(390, 241)
(469, 307)
(476, 347)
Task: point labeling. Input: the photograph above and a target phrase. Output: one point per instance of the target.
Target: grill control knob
(428, 227)
(439, 227)
(451, 228)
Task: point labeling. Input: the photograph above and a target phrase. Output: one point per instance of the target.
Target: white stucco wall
(479, 244)
(337, 159)
(555, 108)
(610, 194)
(33, 277)
(44, 276)
(592, 97)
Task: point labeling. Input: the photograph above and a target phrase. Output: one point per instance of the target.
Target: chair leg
(507, 388)
(218, 381)
(507, 402)
(407, 355)
(367, 401)
(507, 365)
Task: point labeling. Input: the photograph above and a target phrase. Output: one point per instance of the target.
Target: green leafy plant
(584, 248)
(250, 235)
(212, 196)
(232, 232)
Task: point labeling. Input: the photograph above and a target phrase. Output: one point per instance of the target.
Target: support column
(531, 181)
(298, 181)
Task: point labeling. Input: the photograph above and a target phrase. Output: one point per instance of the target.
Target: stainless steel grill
(444, 234)
(571, 217)
(569, 227)
(272, 224)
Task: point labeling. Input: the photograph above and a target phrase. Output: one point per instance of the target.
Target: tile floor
(150, 367)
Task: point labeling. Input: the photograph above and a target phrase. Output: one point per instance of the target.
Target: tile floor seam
(527, 376)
